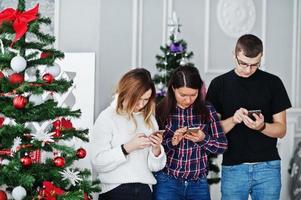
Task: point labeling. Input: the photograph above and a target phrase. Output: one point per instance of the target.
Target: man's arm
(277, 129)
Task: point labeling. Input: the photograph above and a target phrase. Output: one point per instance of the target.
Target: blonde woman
(126, 147)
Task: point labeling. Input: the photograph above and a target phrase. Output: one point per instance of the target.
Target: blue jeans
(261, 180)
(169, 188)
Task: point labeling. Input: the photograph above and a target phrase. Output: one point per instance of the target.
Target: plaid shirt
(188, 160)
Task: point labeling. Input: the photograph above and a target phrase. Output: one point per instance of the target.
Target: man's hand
(255, 125)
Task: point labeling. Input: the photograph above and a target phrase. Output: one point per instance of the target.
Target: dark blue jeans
(128, 191)
(169, 188)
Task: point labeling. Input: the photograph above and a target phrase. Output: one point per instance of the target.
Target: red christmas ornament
(86, 197)
(45, 54)
(81, 153)
(48, 78)
(66, 124)
(1, 123)
(3, 195)
(59, 161)
(16, 78)
(57, 133)
(1, 76)
(26, 161)
(57, 124)
(19, 102)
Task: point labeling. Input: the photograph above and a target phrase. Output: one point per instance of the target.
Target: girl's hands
(178, 136)
(156, 140)
(140, 141)
(195, 137)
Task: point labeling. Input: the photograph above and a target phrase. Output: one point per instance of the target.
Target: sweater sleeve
(156, 163)
(104, 157)
(215, 140)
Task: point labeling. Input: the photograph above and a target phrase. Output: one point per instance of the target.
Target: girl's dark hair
(183, 76)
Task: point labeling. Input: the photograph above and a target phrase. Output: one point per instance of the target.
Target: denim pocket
(274, 164)
(161, 177)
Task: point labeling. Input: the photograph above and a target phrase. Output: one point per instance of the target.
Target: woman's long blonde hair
(130, 88)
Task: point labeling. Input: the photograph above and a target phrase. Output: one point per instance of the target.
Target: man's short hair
(250, 45)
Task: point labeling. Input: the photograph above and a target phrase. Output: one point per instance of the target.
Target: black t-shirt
(262, 91)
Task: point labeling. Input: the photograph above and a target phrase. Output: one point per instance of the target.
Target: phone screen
(192, 130)
(160, 132)
(250, 113)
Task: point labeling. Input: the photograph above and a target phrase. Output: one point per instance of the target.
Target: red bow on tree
(20, 20)
(62, 124)
(50, 191)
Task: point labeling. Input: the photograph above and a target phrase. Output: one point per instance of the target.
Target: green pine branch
(47, 110)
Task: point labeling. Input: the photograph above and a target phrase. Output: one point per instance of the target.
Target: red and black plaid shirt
(188, 160)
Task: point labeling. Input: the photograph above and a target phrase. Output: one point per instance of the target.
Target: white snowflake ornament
(43, 137)
(71, 175)
(16, 145)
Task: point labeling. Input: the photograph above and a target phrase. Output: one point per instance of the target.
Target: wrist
(156, 150)
(124, 150)
(233, 120)
(263, 127)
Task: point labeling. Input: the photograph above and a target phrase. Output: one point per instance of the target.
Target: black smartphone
(251, 112)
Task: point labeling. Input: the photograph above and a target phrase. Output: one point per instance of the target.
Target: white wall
(127, 33)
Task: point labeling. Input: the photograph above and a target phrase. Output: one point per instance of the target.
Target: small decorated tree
(35, 160)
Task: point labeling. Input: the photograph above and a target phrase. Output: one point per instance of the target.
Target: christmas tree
(36, 163)
(175, 54)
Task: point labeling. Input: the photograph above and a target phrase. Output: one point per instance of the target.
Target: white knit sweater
(112, 167)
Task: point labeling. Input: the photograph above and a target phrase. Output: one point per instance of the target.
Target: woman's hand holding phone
(194, 135)
(178, 136)
(139, 141)
(156, 140)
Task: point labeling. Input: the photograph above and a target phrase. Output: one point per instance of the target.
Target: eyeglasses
(245, 65)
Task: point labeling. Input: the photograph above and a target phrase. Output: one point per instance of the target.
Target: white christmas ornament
(54, 70)
(36, 99)
(4, 162)
(18, 63)
(7, 72)
(160, 86)
(183, 61)
(30, 74)
(71, 175)
(19, 193)
(16, 145)
(43, 137)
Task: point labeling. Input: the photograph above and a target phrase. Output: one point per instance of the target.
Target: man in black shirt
(251, 165)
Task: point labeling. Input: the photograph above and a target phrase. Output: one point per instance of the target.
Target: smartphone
(160, 132)
(192, 130)
(250, 113)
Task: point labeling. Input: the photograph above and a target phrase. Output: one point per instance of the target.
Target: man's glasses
(245, 65)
